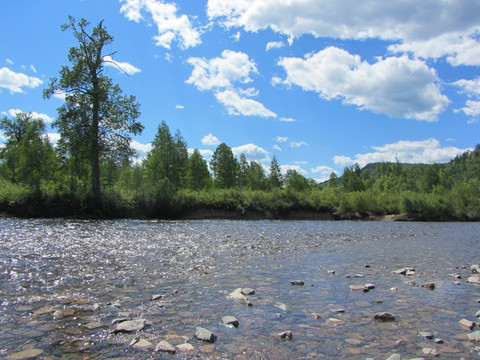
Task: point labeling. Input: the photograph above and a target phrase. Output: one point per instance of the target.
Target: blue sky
(319, 84)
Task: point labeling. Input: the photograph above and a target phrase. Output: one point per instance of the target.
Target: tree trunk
(95, 153)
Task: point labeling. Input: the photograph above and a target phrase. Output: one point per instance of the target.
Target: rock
(393, 289)
(334, 321)
(237, 294)
(156, 297)
(403, 271)
(425, 334)
(281, 306)
(384, 316)
(353, 341)
(395, 357)
(358, 288)
(203, 334)
(477, 314)
(358, 276)
(367, 266)
(26, 354)
(331, 272)
(341, 311)
(438, 341)
(316, 316)
(59, 314)
(230, 320)
(467, 323)
(429, 286)
(474, 336)
(187, 347)
(297, 282)
(475, 269)
(209, 348)
(370, 286)
(142, 344)
(44, 310)
(474, 280)
(429, 351)
(247, 291)
(130, 325)
(286, 335)
(165, 346)
(410, 273)
(93, 325)
(411, 282)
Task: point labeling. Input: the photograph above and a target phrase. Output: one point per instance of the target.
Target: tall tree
(224, 166)
(198, 176)
(97, 118)
(275, 178)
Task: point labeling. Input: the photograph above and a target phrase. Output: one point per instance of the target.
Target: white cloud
(298, 143)
(33, 69)
(237, 105)
(210, 140)
(127, 68)
(405, 151)
(53, 138)
(15, 81)
(221, 72)
(274, 45)
(396, 86)
(206, 153)
(472, 89)
(9, 61)
(236, 36)
(252, 152)
(179, 107)
(430, 28)
(297, 168)
(143, 149)
(276, 147)
(281, 139)
(324, 170)
(170, 27)
(287, 119)
(35, 115)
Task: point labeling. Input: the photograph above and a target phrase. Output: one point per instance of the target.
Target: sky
(319, 84)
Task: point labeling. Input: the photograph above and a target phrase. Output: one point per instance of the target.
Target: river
(65, 283)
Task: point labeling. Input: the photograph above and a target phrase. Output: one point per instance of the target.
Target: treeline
(37, 179)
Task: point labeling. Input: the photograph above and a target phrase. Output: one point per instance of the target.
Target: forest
(92, 171)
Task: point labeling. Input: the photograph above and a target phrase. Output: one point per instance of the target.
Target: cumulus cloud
(237, 105)
(219, 75)
(396, 86)
(14, 82)
(276, 147)
(179, 107)
(413, 152)
(284, 119)
(429, 29)
(252, 152)
(274, 45)
(281, 139)
(127, 68)
(206, 153)
(34, 114)
(143, 149)
(53, 138)
(170, 27)
(323, 170)
(210, 140)
(221, 72)
(472, 89)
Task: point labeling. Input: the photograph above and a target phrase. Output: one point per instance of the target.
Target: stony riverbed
(238, 290)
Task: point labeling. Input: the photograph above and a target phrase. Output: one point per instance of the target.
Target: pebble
(142, 344)
(297, 282)
(331, 272)
(165, 346)
(426, 334)
(429, 286)
(358, 288)
(334, 321)
(230, 320)
(467, 323)
(156, 297)
(130, 325)
(474, 336)
(187, 347)
(370, 286)
(287, 335)
(384, 316)
(203, 334)
(438, 341)
(431, 352)
(316, 316)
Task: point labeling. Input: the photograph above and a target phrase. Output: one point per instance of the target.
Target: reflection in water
(106, 270)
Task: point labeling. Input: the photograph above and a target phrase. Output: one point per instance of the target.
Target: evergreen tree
(275, 179)
(224, 166)
(198, 176)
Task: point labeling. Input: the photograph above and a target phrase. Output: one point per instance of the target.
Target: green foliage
(225, 167)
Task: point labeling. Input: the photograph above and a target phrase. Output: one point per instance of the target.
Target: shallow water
(105, 270)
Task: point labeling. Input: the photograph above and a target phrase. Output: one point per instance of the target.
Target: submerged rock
(426, 334)
(165, 346)
(334, 321)
(142, 344)
(26, 354)
(474, 279)
(203, 334)
(358, 288)
(187, 347)
(431, 352)
(403, 271)
(130, 325)
(297, 282)
(474, 336)
(384, 316)
(247, 291)
(237, 294)
(429, 286)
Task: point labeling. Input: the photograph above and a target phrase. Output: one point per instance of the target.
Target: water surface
(105, 270)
